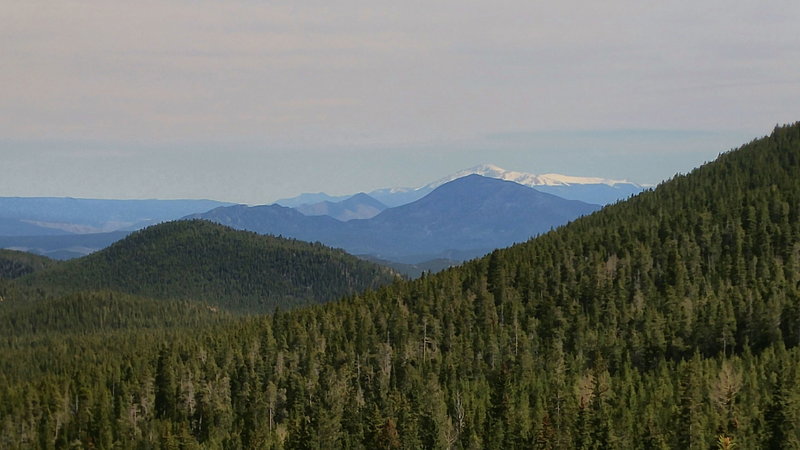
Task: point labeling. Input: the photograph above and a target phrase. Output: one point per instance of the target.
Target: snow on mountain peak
(555, 179)
(527, 179)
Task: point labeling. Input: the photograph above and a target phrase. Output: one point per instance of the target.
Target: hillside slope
(92, 312)
(14, 264)
(198, 260)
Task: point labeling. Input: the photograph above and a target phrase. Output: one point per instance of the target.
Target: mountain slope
(91, 312)
(275, 220)
(198, 260)
(14, 264)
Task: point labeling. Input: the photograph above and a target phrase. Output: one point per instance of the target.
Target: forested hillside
(668, 321)
(198, 260)
(14, 264)
(89, 312)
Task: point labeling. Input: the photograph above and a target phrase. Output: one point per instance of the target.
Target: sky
(250, 101)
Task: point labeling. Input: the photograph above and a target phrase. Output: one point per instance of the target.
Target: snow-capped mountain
(594, 190)
(525, 179)
(599, 191)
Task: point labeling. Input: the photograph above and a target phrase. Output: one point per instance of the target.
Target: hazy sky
(251, 101)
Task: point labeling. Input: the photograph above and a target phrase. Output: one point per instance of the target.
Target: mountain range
(463, 218)
(600, 191)
(445, 227)
(359, 206)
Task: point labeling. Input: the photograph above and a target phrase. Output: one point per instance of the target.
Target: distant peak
(559, 179)
(486, 168)
(527, 179)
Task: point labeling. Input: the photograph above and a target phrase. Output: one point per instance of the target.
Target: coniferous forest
(671, 320)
